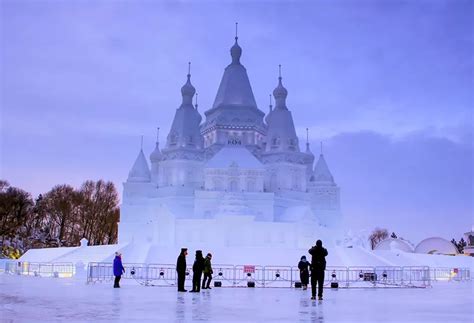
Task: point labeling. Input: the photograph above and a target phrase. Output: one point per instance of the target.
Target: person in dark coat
(207, 272)
(318, 266)
(181, 269)
(198, 267)
(118, 269)
(303, 266)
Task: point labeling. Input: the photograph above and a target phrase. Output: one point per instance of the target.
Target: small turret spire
(308, 151)
(321, 147)
(236, 30)
(141, 143)
(158, 135)
(271, 106)
(196, 102)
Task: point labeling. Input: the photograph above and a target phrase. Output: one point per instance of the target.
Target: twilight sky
(386, 85)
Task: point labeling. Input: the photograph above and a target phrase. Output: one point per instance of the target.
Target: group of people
(201, 266)
(317, 266)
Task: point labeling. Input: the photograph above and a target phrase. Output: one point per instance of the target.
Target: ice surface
(48, 299)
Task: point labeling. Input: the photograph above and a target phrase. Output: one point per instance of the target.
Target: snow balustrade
(40, 269)
(277, 276)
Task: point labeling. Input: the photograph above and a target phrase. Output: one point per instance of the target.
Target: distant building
(237, 178)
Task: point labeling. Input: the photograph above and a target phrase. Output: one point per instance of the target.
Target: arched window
(251, 185)
(233, 186)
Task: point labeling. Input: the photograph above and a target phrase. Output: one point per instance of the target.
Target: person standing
(318, 266)
(181, 269)
(198, 267)
(118, 269)
(207, 272)
(303, 266)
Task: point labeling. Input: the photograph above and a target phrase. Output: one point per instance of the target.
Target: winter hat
(184, 249)
(198, 252)
(209, 254)
(118, 254)
(319, 243)
(303, 257)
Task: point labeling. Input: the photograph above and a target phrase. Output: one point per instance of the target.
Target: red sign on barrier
(249, 269)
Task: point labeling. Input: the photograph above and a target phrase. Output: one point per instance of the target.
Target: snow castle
(238, 178)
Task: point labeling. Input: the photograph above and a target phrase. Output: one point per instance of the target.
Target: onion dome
(280, 93)
(188, 90)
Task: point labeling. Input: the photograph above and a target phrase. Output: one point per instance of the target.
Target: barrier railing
(40, 269)
(276, 276)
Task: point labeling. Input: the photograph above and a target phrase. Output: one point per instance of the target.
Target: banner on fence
(249, 269)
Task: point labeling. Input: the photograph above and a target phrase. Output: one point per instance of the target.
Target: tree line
(58, 218)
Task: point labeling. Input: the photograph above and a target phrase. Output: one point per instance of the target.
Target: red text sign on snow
(249, 269)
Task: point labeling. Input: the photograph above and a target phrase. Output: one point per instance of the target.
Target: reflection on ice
(30, 298)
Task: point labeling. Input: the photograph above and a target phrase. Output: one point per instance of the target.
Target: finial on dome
(141, 143)
(321, 147)
(280, 93)
(271, 106)
(235, 50)
(307, 136)
(188, 90)
(196, 104)
(158, 135)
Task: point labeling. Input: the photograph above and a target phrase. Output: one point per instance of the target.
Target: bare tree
(376, 236)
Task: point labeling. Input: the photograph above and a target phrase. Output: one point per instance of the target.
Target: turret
(181, 159)
(281, 134)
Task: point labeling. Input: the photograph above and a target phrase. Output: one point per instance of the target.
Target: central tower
(234, 117)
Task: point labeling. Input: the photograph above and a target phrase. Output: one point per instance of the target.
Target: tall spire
(235, 50)
(280, 93)
(270, 109)
(188, 90)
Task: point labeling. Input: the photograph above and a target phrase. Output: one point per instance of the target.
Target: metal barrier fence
(276, 276)
(40, 269)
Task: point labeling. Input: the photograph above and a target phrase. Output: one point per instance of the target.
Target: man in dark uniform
(318, 266)
(181, 269)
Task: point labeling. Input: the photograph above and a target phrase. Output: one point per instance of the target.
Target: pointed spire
(155, 156)
(188, 90)
(140, 171)
(321, 170)
(270, 109)
(196, 102)
(141, 143)
(235, 50)
(280, 93)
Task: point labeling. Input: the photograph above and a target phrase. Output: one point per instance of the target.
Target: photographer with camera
(318, 266)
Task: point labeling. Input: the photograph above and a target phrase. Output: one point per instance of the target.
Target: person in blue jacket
(118, 269)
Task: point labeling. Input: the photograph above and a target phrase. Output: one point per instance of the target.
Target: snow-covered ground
(48, 299)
